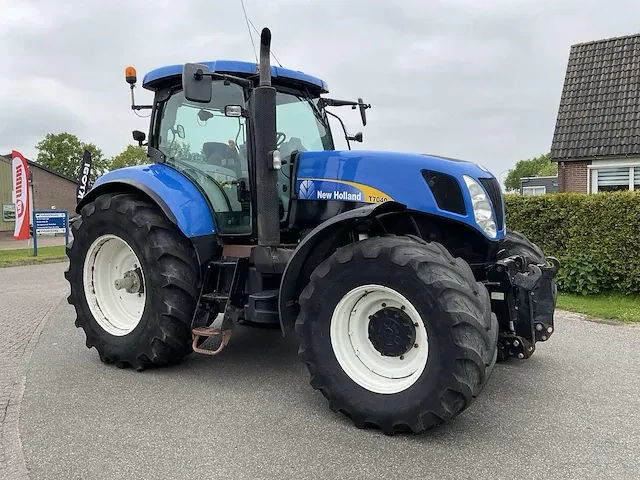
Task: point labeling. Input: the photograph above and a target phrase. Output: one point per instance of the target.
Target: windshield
(211, 149)
(300, 125)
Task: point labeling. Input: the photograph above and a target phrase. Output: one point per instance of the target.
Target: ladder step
(205, 331)
(224, 263)
(215, 297)
(199, 332)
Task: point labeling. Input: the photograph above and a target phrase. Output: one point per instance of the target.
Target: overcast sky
(473, 79)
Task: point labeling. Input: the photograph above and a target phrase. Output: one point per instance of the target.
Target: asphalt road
(570, 412)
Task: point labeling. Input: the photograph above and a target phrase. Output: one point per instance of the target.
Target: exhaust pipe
(266, 177)
(265, 60)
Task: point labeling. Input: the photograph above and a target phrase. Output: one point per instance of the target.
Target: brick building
(50, 189)
(596, 141)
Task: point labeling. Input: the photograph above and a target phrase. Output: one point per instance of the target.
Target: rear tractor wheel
(134, 282)
(396, 333)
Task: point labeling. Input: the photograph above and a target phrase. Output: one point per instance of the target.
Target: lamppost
(504, 189)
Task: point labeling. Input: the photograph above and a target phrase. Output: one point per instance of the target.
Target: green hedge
(595, 237)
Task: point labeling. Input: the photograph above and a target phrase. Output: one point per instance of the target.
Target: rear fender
(296, 276)
(174, 193)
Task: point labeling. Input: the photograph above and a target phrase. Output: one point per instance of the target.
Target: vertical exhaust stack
(264, 122)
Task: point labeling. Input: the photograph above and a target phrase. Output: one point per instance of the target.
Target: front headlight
(481, 207)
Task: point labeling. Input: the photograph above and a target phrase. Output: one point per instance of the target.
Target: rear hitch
(523, 297)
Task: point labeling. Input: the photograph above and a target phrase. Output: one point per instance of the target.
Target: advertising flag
(83, 177)
(20, 171)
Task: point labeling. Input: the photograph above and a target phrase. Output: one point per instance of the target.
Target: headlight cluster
(481, 207)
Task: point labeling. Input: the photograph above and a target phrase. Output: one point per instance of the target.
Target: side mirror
(356, 138)
(363, 113)
(196, 83)
(139, 136)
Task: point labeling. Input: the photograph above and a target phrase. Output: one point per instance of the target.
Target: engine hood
(378, 176)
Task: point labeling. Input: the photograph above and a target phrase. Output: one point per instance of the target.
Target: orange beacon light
(130, 75)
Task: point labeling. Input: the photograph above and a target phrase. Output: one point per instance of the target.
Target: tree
(63, 152)
(132, 155)
(540, 166)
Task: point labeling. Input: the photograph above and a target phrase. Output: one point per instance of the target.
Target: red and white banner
(21, 192)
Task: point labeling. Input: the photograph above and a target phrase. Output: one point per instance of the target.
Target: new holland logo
(307, 190)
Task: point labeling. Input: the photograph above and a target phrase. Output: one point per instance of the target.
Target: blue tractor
(396, 270)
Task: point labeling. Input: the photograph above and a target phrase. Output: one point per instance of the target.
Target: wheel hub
(130, 281)
(391, 332)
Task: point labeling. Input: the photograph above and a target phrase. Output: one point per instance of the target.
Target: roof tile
(599, 112)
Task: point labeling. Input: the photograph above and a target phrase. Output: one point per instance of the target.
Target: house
(538, 185)
(50, 189)
(596, 141)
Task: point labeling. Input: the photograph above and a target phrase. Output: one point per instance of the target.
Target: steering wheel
(278, 140)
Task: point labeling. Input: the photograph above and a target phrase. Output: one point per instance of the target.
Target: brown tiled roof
(599, 111)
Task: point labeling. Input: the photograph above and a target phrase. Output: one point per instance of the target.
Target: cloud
(470, 79)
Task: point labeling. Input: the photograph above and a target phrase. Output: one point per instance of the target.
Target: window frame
(592, 172)
(533, 188)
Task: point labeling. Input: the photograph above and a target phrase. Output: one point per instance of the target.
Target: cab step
(202, 332)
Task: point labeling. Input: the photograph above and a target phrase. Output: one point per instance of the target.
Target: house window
(613, 178)
(539, 190)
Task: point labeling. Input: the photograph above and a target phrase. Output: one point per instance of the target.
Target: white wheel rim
(357, 355)
(118, 312)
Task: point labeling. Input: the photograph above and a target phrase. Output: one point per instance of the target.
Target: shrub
(596, 237)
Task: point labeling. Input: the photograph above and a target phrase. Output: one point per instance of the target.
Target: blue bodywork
(234, 67)
(380, 176)
(178, 193)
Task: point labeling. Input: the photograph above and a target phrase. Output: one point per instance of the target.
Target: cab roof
(233, 67)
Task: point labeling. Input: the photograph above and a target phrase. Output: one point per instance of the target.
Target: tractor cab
(210, 141)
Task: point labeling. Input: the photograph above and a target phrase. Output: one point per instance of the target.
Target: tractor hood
(424, 183)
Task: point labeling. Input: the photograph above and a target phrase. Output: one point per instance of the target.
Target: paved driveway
(27, 296)
(570, 412)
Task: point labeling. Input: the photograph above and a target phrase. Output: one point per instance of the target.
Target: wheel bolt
(415, 324)
(402, 307)
(539, 327)
(544, 337)
(415, 345)
(550, 329)
(516, 343)
(384, 305)
(521, 356)
(401, 357)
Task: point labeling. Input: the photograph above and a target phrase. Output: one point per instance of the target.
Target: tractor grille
(446, 191)
(492, 186)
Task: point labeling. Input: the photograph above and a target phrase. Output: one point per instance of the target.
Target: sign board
(9, 212)
(50, 221)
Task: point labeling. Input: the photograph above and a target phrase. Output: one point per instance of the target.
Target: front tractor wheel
(396, 333)
(134, 282)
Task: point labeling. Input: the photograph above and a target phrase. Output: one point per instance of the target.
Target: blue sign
(49, 221)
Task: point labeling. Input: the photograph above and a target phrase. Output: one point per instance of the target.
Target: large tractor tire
(396, 333)
(121, 239)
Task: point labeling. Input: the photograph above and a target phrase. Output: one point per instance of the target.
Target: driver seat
(216, 152)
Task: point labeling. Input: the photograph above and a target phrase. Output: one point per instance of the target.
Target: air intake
(446, 191)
